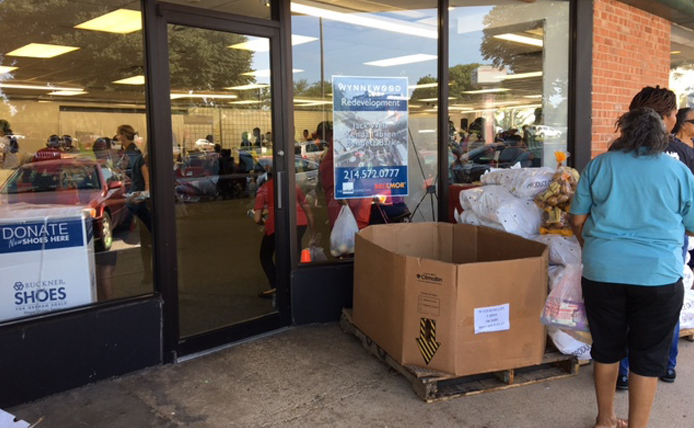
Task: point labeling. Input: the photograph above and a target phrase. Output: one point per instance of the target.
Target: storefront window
(508, 103)
(377, 154)
(682, 65)
(74, 201)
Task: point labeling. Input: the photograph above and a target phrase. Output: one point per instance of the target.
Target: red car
(95, 185)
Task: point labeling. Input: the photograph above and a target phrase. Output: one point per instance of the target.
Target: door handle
(278, 190)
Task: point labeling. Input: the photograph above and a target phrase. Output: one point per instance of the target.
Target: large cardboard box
(451, 297)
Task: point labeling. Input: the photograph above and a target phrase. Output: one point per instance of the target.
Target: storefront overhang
(678, 11)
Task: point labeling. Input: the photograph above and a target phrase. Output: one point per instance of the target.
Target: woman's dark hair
(681, 117)
(641, 131)
(324, 130)
(5, 127)
(14, 145)
(662, 100)
(127, 131)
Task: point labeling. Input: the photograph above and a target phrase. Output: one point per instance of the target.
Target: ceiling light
(400, 60)
(516, 38)
(67, 93)
(424, 85)
(135, 80)
(532, 96)
(121, 21)
(262, 44)
(366, 20)
(266, 73)
(311, 102)
(40, 50)
(246, 102)
(427, 131)
(248, 87)
(37, 87)
(459, 108)
(522, 75)
(175, 96)
(413, 106)
(675, 52)
(433, 99)
(6, 69)
(487, 91)
(315, 103)
(501, 103)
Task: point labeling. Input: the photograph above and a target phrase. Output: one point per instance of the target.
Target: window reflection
(509, 86)
(68, 84)
(682, 65)
(378, 39)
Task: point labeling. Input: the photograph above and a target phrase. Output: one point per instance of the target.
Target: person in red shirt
(51, 151)
(265, 200)
(361, 208)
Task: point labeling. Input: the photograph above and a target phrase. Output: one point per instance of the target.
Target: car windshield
(48, 178)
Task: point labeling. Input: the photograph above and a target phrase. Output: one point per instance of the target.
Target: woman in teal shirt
(631, 209)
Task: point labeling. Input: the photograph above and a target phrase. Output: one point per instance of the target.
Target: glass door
(224, 150)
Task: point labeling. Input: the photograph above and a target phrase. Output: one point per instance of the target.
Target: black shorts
(636, 318)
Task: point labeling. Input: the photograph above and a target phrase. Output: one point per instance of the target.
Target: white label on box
(492, 318)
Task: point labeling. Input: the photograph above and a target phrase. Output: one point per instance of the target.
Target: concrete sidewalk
(317, 376)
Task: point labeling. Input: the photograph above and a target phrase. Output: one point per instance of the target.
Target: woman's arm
(577, 222)
(258, 216)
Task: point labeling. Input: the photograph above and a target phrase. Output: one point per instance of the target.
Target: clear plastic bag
(555, 202)
(342, 235)
(564, 307)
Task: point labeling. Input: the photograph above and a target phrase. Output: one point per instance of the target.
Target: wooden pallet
(687, 334)
(434, 386)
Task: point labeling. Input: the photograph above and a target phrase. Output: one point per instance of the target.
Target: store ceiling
(107, 57)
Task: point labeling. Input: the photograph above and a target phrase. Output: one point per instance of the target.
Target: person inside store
(9, 147)
(257, 137)
(134, 164)
(105, 261)
(533, 141)
(51, 151)
(264, 214)
(361, 208)
(68, 145)
(632, 257)
(663, 102)
(684, 128)
(245, 142)
(307, 136)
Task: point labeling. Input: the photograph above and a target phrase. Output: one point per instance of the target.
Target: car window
(297, 150)
(108, 174)
(312, 148)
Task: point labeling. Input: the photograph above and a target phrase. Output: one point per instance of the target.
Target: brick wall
(631, 49)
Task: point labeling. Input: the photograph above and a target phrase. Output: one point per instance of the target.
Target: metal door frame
(157, 16)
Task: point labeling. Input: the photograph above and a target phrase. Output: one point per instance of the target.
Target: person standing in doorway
(264, 214)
